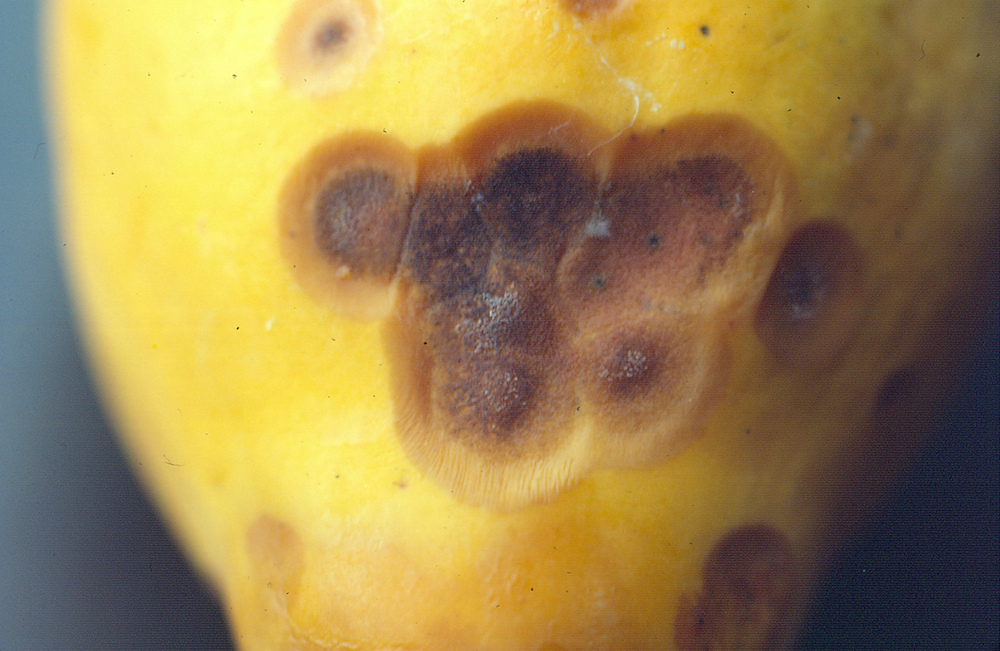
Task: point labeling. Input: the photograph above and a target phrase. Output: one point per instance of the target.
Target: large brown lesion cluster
(550, 288)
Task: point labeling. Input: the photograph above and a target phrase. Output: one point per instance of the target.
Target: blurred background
(85, 564)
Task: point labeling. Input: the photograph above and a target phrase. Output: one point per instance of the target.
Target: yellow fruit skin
(263, 422)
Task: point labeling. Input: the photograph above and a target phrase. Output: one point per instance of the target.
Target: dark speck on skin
(330, 36)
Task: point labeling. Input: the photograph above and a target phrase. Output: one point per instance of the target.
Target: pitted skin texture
(542, 282)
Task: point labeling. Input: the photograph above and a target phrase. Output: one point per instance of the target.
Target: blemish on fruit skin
(536, 274)
(596, 9)
(631, 367)
(360, 217)
(277, 555)
(324, 44)
(813, 300)
(749, 583)
(345, 211)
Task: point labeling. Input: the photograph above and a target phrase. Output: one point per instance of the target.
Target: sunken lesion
(359, 220)
(530, 199)
(479, 262)
(674, 206)
(687, 211)
(325, 44)
(647, 383)
(345, 212)
(539, 276)
(630, 368)
(447, 249)
(812, 305)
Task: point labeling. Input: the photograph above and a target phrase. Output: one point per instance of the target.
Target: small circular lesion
(599, 281)
(492, 401)
(329, 37)
(812, 304)
(359, 219)
(344, 215)
(324, 44)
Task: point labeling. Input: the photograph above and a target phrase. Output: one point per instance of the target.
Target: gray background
(84, 564)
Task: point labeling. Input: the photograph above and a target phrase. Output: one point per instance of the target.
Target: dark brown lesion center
(330, 37)
(359, 220)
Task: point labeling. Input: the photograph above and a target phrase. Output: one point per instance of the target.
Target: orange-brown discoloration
(277, 553)
(597, 9)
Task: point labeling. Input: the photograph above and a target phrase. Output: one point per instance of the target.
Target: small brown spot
(812, 303)
(530, 199)
(673, 209)
(680, 218)
(750, 583)
(495, 396)
(447, 249)
(512, 316)
(536, 126)
(324, 44)
(330, 36)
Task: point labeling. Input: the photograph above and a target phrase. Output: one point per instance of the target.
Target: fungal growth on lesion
(344, 214)
(324, 44)
(549, 290)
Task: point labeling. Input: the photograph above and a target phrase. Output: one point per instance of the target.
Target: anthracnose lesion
(447, 249)
(530, 199)
(489, 259)
(360, 218)
(329, 37)
(688, 213)
(487, 396)
(538, 269)
(630, 367)
(483, 255)
(813, 300)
